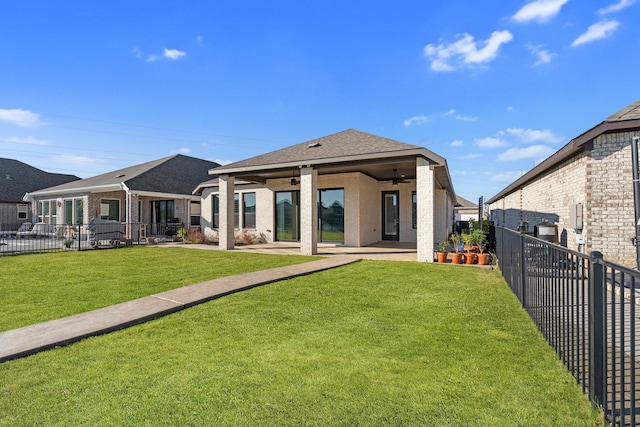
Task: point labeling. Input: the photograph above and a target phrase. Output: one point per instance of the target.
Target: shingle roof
(343, 144)
(631, 112)
(177, 174)
(17, 178)
(464, 203)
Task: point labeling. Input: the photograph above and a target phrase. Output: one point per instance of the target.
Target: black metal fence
(98, 234)
(586, 308)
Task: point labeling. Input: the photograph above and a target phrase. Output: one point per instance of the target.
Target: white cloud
(78, 160)
(174, 54)
(457, 143)
(543, 56)
(184, 150)
(617, 7)
(466, 118)
(597, 31)
(28, 140)
(538, 152)
(539, 10)
(222, 162)
(465, 51)
(450, 112)
(534, 135)
(510, 108)
(416, 120)
(490, 142)
(506, 176)
(24, 118)
(471, 156)
(199, 39)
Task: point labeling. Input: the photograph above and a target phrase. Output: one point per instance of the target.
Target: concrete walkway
(43, 336)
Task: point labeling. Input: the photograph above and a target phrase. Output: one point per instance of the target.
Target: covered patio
(391, 191)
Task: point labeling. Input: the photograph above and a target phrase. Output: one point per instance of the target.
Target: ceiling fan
(293, 181)
(395, 181)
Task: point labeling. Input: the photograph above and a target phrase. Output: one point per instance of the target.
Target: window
(195, 213)
(22, 211)
(244, 205)
(73, 211)
(236, 210)
(331, 215)
(216, 211)
(47, 211)
(249, 210)
(110, 209)
(287, 215)
(414, 209)
(68, 212)
(163, 211)
(77, 203)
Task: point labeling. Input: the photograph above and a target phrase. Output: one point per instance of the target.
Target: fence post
(597, 333)
(523, 271)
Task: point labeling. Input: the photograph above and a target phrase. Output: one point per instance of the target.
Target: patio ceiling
(380, 170)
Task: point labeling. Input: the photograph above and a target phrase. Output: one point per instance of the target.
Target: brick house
(156, 194)
(585, 188)
(349, 188)
(17, 179)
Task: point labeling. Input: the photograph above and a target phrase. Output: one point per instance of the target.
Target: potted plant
(469, 240)
(456, 257)
(442, 253)
(480, 240)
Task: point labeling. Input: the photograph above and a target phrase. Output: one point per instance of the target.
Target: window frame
(22, 211)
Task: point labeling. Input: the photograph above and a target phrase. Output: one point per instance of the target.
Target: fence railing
(586, 308)
(29, 238)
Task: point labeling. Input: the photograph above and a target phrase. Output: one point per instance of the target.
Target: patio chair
(25, 230)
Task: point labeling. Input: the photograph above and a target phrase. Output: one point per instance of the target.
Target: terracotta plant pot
(442, 256)
(456, 258)
(483, 258)
(469, 258)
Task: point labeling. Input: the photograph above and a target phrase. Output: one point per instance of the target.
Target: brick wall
(610, 208)
(547, 197)
(600, 179)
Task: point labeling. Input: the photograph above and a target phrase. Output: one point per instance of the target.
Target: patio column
(425, 194)
(226, 187)
(308, 211)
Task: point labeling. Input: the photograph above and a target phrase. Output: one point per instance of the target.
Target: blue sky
(492, 86)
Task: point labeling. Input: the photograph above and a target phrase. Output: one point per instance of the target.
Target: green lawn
(369, 344)
(36, 288)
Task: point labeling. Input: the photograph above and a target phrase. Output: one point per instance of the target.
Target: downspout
(636, 196)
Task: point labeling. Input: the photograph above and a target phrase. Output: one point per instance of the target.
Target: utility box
(575, 216)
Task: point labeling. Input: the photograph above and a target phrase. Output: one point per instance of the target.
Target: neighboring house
(466, 211)
(585, 188)
(156, 194)
(351, 188)
(16, 179)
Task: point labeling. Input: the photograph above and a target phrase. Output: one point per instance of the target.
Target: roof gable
(348, 143)
(17, 178)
